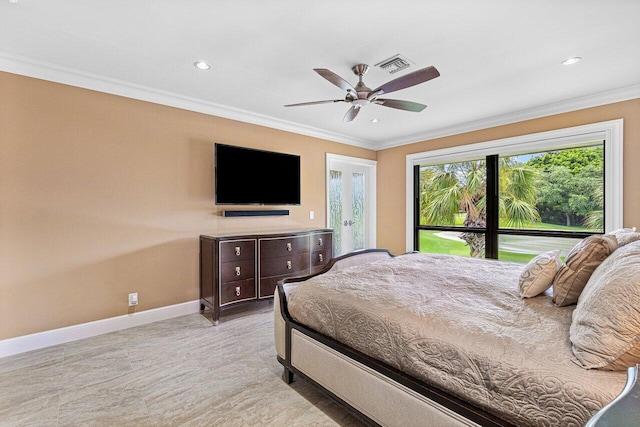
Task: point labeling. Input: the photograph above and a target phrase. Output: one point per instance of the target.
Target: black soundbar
(256, 213)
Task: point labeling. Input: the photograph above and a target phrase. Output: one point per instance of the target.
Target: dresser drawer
(320, 258)
(274, 248)
(286, 265)
(237, 270)
(268, 286)
(237, 291)
(237, 250)
(321, 241)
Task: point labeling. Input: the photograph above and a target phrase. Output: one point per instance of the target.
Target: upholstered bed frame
(375, 392)
(380, 394)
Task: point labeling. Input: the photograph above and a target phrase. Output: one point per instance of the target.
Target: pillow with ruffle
(605, 329)
(578, 266)
(538, 274)
(624, 236)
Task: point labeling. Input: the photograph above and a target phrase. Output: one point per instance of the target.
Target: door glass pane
(553, 190)
(453, 194)
(525, 248)
(335, 209)
(357, 212)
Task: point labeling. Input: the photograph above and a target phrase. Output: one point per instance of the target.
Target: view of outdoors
(555, 191)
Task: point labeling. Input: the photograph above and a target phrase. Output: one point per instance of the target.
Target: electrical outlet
(133, 299)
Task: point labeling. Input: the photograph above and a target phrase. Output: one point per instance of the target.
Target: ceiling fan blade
(351, 114)
(401, 105)
(335, 79)
(403, 82)
(315, 103)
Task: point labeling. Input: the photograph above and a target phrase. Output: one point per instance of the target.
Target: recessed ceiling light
(374, 120)
(572, 60)
(201, 65)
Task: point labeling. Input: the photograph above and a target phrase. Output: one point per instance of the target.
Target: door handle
(349, 222)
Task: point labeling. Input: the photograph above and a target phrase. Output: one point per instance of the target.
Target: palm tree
(447, 190)
(595, 219)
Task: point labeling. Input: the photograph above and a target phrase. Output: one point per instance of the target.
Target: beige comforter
(459, 324)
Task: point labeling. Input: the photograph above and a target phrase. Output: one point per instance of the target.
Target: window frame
(611, 132)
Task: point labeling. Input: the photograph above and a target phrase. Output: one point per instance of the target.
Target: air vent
(394, 64)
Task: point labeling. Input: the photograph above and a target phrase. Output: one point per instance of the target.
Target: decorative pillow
(624, 236)
(578, 266)
(538, 274)
(623, 230)
(605, 330)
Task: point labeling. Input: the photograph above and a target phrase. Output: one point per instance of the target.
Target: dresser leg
(215, 314)
(287, 376)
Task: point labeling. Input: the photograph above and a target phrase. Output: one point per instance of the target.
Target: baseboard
(25, 343)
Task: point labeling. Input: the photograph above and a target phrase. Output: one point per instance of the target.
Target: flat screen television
(246, 176)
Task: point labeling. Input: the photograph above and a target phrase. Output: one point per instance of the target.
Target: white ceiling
(500, 60)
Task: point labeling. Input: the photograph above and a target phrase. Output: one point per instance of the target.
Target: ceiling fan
(361, 95)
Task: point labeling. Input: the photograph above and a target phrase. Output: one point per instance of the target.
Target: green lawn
(429, 242)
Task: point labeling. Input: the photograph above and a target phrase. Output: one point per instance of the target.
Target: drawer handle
(237, 291)
(320, 258)
(237, 250)
(237, 271)
(320, 241)
(288, 265)
(289, 247)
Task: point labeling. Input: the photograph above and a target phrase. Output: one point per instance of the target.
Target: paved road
(524, 244)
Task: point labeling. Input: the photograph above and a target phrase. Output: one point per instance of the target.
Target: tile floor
(178, 372)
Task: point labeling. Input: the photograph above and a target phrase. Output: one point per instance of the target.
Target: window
(515, 198)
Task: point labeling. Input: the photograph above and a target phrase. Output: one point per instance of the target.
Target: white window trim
(609, 131)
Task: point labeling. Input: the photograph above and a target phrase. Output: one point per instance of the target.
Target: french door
(351, 203)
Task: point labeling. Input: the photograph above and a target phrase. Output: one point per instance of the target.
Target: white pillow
(605, 327)
(538, 274)
(624, 236)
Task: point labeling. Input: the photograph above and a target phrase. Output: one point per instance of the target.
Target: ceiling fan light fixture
(572, 60)
(360, 95)
(201, 65)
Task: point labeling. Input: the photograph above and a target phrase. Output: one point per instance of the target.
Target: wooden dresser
(246, 267)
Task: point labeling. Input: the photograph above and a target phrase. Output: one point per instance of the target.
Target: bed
(428, 339)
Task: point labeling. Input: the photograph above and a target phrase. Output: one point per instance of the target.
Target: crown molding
(55, 73)
(580, 103)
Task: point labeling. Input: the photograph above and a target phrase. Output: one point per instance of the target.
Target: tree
(574, 159)
(571, 191)
(450, 189)
(595, 219)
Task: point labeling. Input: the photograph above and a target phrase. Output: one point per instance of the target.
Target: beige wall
(102, 195)
(391, 163)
